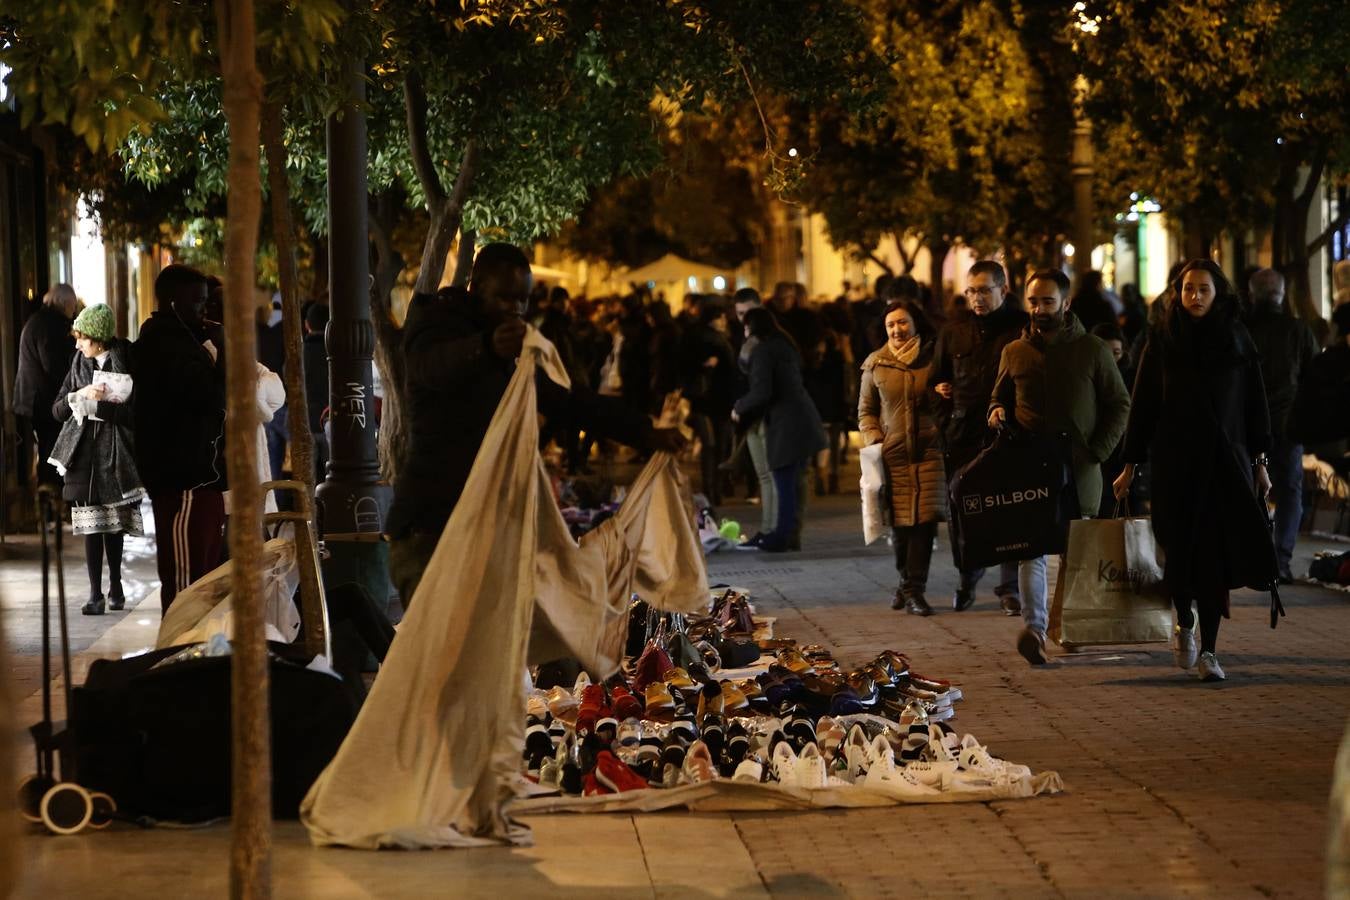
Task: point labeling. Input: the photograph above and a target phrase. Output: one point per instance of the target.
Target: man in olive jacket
(1057, 378)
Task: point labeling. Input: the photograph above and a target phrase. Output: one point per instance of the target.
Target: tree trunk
(251, 758)
(468, 240)
(297, 396)
(937, 258)
(11, 838)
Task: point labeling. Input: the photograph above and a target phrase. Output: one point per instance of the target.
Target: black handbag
(1014, 501)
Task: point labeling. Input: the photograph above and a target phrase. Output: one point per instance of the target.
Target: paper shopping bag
(1110, 588)
(875, 487)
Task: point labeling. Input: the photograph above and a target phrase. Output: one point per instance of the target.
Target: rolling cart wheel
(104, 809)
(67, 808)
(31, 791)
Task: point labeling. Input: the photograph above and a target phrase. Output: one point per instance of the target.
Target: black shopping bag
(1014, 501)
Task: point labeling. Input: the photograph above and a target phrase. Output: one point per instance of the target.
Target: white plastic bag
(875, 487)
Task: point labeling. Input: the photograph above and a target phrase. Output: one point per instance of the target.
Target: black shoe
(1287, 578)
(899, 601)
(963, 599)
(116, 600)
(918, 606)
(94, 607)
(1010, 605)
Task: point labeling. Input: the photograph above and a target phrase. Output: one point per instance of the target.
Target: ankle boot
(94, 607)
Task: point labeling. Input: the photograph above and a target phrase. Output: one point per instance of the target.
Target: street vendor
(460, 349)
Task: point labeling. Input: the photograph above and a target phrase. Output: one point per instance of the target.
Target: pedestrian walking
(965, 363)
(897, 410)
(45, 351)
(708, 380)
(1287, 347)
(793, 433)
(94, 452)
(1200, 417)
(756, 447)
(1058, 379)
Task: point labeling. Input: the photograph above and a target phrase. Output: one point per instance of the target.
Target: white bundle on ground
(205, 607)
(434, 756)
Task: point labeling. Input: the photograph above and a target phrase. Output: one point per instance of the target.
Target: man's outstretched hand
(508, 338)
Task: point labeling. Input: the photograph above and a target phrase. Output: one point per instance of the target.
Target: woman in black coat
(793, 431)
(708, 378)
(95, 454)
(1199, 416)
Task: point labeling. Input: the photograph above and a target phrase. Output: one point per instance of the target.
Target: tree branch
(468, 239)
(1325, 237)
(881, 262)
(419, 146)
(1315, 167)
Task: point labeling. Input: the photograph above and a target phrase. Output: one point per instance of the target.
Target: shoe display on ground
(1208, 667)
(1031, 644)
(802, 722)
(1185, 651)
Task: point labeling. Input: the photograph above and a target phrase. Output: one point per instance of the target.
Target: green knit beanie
(96, 323)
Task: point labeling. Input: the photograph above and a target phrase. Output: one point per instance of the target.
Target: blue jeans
(1286, 489)
(785, 486)
(1035, 593)
(1007, 579)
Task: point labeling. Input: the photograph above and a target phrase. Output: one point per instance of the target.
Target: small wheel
(67, 808)
(31, 791)
(105, 807)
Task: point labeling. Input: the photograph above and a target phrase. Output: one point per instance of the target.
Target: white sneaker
(930, 773)
(856, 754)
(783, 764)
(750, 770)
(942, 746)
(884, 778)
(1184, 649)
(1209, 667)
(976, 758)
(811, 772)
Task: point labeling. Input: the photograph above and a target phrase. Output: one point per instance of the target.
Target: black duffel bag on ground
(1014, 501)
(156, 737)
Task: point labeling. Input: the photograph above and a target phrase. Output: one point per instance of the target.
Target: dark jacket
(45, 349)
(97, 454)
(895, 407)
(827, 383)
(1066, 383)
(180, 408)
(1322, 411)
(1287, 347)
(966, 357)
(710, 391)
(452, 386)
(777, 396)
(314, 356)
(1199, 413)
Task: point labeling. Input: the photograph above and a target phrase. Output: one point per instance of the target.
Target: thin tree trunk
(251, 758)
(11, 837)
(468, 240)
(297, 396)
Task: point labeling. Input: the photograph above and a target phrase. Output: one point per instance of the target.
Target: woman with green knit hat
(95, 454)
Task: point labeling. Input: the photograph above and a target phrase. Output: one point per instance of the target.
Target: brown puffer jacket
(896, 406)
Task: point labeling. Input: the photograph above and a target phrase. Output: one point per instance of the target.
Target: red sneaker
(593, 707)
(590, 787)
(616, 776)
(626, 706)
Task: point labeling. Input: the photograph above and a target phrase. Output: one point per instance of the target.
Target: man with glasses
(965, 364)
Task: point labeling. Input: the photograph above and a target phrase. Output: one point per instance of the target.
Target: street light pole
(352, 501)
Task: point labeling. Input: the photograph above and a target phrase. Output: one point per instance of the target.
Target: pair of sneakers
(1186, 654)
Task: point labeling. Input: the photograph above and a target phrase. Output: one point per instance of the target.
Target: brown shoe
(1011, 605)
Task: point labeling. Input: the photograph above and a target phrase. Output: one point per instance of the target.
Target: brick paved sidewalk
(1174, 788)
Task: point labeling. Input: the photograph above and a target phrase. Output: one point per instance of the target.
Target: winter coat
(1066, 383)
(1322, 411)
(1199, 412)
(315, 358)
(452, 386)
(966, 356)
(45, 348)
(896, 407)
(778, 397)
(98, 453)
(710, 391)
(1287, 347)
(180, 408)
